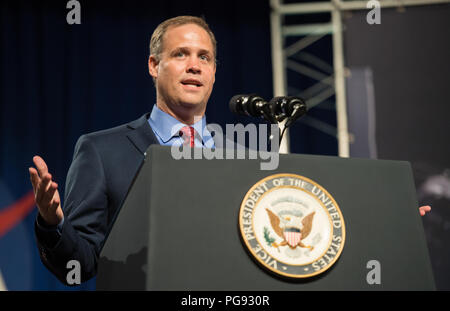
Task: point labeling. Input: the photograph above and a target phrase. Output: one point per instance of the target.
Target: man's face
(185, 73)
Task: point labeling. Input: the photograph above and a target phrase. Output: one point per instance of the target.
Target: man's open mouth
(191, 82)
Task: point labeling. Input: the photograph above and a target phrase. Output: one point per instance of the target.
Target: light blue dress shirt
(167, 130)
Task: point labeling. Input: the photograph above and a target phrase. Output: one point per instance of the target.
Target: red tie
(188, 134)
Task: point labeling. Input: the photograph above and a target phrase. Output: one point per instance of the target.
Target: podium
(178, 226)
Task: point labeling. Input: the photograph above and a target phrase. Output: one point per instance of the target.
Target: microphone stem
(281, 135)
(270, 136)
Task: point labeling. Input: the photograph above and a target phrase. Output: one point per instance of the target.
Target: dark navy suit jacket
(103, 168)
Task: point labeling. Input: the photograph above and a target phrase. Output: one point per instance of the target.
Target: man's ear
(153, 64)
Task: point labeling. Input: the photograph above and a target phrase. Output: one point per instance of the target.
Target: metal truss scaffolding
(330, 80)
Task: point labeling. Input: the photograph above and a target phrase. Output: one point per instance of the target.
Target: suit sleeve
(85, 216)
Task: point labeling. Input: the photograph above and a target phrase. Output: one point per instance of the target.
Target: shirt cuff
(42, 225)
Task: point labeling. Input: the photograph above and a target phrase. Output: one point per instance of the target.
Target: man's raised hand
(424, 209)
(45, 193)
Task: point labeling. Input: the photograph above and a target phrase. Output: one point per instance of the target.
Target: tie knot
(188, 135)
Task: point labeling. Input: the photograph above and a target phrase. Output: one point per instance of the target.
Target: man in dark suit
(182, 64)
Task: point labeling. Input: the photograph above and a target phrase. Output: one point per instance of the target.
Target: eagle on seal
(292, 229)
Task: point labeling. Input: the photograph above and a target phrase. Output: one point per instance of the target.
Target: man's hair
(156, 42)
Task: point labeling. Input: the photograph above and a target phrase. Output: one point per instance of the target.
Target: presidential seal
(292, 226)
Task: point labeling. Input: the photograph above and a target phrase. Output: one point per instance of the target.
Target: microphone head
(297, 106)
(280, 107)
(290, 107)
(236, 102)
(247, 104)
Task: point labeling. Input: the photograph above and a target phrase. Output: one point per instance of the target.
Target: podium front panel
(194, 240)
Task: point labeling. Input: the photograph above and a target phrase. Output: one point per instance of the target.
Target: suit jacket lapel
(142, 136)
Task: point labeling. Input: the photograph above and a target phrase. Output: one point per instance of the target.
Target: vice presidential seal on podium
(292, 226)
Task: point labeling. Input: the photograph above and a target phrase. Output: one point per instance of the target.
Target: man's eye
(179, 54)
(204, 57)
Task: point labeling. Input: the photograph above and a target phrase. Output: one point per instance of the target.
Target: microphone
(290, 107)
(254, 106)
(275, 111)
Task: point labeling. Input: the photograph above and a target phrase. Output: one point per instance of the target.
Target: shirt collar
(166, 126)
